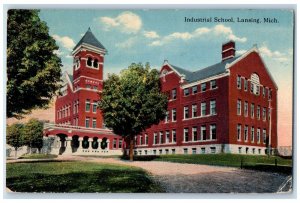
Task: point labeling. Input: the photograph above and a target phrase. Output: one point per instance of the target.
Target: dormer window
(95, 64)
(89, 61)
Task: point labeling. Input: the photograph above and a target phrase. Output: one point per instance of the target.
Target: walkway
(194, 178)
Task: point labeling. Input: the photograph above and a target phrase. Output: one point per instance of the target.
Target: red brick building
(79, 127)
(228, 107)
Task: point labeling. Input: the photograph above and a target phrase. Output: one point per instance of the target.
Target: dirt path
(195, 178)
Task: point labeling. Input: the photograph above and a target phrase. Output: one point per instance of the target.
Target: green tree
(133, 101)
(33, 68)
(15, 136)
(33, 133)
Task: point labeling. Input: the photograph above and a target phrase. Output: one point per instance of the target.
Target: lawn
(233, 160)
(78, 177)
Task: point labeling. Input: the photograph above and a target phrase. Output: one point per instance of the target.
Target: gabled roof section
(90, 39)
(209, 71)
(68, 79)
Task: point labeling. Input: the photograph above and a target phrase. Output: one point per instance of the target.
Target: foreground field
(77, 177)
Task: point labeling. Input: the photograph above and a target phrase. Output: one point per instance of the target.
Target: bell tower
(88, 58)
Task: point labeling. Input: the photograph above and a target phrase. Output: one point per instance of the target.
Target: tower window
(89, 61)
(95, 63)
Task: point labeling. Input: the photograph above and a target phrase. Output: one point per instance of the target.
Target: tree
(33, 68)
(133, 101)
(15, 136)
(33, 133)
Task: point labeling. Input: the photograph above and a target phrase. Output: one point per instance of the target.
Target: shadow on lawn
(89, 182)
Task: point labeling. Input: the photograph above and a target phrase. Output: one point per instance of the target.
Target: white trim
(228, 57)
(205, 80)
(87, 89)
(168, 73)
(182, 76)
(100, 51)
(253, 49)
(205, 116)
(82, 76)
(228, 49)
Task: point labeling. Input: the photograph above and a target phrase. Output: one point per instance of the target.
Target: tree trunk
(131, 149)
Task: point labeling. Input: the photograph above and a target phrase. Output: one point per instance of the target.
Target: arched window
(95, 144)
(89, 61)
(95, 63)
(255, 84)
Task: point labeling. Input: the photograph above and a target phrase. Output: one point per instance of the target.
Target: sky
(156, 35)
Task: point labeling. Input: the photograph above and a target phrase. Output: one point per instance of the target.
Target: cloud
(127, 44)
(151, 34)
(127, 22)
(276, 55)
(65, 41)
(218, 30)
(58, 52)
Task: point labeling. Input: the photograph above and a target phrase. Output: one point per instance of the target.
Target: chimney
(228, 50)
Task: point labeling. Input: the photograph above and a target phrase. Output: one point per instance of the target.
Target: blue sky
(155, 35)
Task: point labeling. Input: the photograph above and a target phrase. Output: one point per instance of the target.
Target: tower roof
(89, 38)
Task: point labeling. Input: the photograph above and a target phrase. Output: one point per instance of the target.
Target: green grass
(38, 156)
(78, 177)
(232, 160)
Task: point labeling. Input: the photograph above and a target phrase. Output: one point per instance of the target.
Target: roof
(89, 38)
(209, 71)
(71, 77)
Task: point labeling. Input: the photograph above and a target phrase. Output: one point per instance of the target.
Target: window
(94, 107)
(258, 135)
(213, 132)
(161, 141)
(87, 122)
(252, 134)
(115, 143)
(253, 150)
(203, 132)
(194, 110)
(269, 113)
(154, 152)
(255, 84)
(194, 151)
(174, 94)
(194, 89)
(264, 136)
(239, 128)
(186, 134)
(252, 110)
(238, 82)
(120, 144)
(186, 112)
(245, 84)
(173, 151)
(185, 151)
(240, 150)
(95, 87)
(88, 86)
(203, 87)
(155, 138)
(167, 151)
(213, 150)
(141, 140)
(213, 107)
(167, 117)
(264, 113)
(146, 152)
(246, 108)
(87, 105)
(174, 135)
(239, 107)
(194, 131)
(252, 87)
(264, 92)
(146, 139)
(173, 114)
(94, 122)
(213, 84)
(203, 150)
(167, 136)
(95, 64)
(258, 112)
(160, 151)
(186, 91)
(269, 94)
(89, 61)
(246, 133)
(203, 109)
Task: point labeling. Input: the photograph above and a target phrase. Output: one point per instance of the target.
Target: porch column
(107, 144)
(79, 150)
(90, 144)
(54, 144)
(68, 145)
